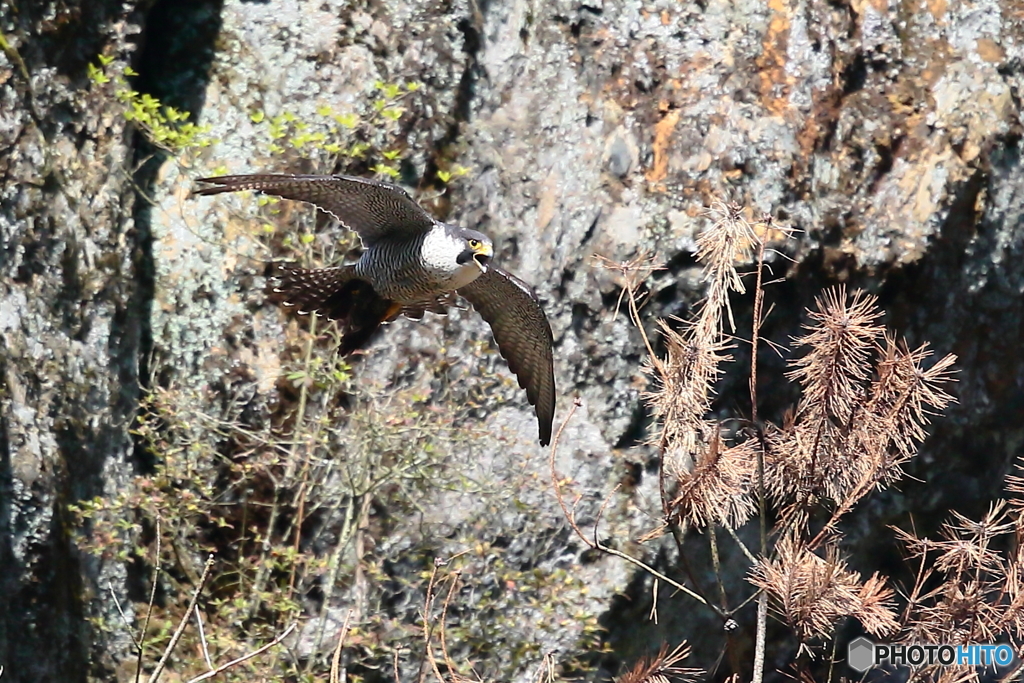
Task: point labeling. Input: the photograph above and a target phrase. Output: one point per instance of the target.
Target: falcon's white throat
(440, 253)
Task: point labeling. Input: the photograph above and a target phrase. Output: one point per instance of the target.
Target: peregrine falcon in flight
(410, 263)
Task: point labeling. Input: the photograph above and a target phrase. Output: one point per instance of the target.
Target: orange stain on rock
(663, 131)
(774, 82)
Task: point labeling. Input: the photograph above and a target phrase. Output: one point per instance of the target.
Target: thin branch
(444, 616)
(428, 603)
(653, 616)
(128, 626)
(234, 662)
(762, 621)
(742, 546)
(762, 600)
(336, 659)
(716, 564)
(202, 639)
(149, 606)
(595, 544)
(183, 623)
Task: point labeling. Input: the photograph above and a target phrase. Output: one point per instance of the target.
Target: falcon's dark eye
(474, 243)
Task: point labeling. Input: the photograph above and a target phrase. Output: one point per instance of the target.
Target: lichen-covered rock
(72, 304)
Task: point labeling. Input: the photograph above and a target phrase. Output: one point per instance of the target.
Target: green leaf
(96, 74)
(347, 120)
(385, 170)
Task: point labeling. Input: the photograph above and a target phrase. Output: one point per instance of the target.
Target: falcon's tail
(337, 294)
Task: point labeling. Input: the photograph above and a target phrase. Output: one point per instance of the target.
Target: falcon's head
(476, 248)
(455, 255)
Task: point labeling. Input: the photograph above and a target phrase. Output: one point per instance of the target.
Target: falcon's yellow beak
(482, 254)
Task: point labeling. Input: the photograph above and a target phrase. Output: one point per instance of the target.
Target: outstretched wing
(373, 209)
(523, 334)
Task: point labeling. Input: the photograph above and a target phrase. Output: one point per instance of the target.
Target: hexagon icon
(860, 654)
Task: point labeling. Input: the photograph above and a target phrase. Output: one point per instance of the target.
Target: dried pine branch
(717, 489)
(850, 433)
(813, 593)
(662, 668)
(694, 458)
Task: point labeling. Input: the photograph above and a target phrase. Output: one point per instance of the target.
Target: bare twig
(149, 606)
(202, 639)
(570, 516)
(762, 599)
(716, 564)
(183, 623)
(127, 624)
(234, 662)
(759, 638)
(428, 624)
(428, 604)
(336, 659)
(444, 616)
(742, 546)
(653, 616)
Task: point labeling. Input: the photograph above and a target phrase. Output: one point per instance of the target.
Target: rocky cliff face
(888, 133)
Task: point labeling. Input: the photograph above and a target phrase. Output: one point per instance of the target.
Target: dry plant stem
(428, 603)
(753, 596)
(149, 607)
(832, 659)
(336, 659)
(653, 616)
(556, 483)
(202, 638)
(742, 546)
(301, 415)
(235, 662)
(360, 585)
(334, 567)
(184, 621)
(677, 536)
(716, 564)
(762, 600)
(759, 641)
(722, 596)
(444, 616)
(124, 619)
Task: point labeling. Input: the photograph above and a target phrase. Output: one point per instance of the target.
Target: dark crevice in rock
(855, 74)
(589, 234)
(66, 35)
(11, 569)
(636, 432)
(173, 61)
(464, 96)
